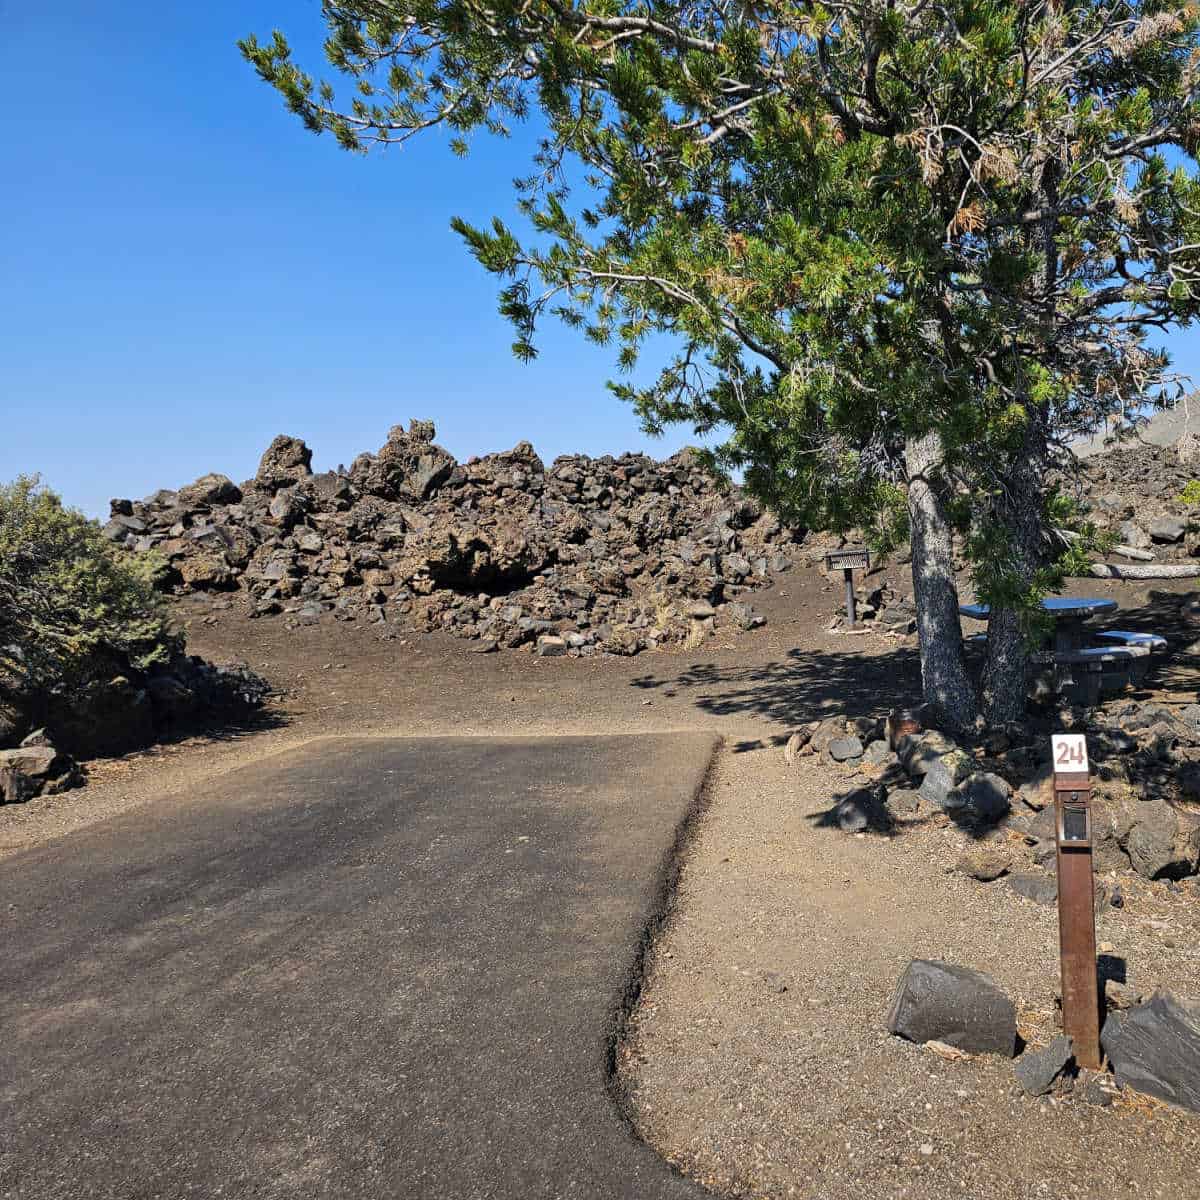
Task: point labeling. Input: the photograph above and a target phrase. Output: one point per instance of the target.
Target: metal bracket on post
(1076, 897)
(849, 560)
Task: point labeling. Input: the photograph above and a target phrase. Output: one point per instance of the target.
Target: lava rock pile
(611, 555)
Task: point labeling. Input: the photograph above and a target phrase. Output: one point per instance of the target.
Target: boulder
(942, 776)
(937, 1001)
(1155, 1048)
(919, 751)
(35, 768)
(744, 617)
(1132, 534)
(1159, 844)
(209, 491)
(1187, 449)
(878, 753)
(286, 461)
(286, 508)
(549, 646)
(983, 796)
(205, 571)
(1037, 792)
(826, 731)
(1167, 530)
(408, 466)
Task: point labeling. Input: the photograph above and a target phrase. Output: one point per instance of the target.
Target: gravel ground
(755, 1090)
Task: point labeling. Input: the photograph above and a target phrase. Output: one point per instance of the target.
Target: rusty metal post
(849, 574)
(1076, 897)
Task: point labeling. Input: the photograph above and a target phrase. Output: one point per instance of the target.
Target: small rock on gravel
(1036, 1070)
(1096, 1087)
(1041, 889)
(902, 802)
(856, 812)
(984, 863)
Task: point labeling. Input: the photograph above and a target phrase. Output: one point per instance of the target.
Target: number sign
(1069, 751)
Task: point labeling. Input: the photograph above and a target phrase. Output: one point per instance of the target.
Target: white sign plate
(1069, 752)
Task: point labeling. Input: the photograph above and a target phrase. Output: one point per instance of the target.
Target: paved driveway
(368, 968)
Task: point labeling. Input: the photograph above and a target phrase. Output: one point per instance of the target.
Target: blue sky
(186, 272)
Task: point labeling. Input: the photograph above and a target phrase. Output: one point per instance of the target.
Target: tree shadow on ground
(805, 686)
(210, 726)
(1174, 676)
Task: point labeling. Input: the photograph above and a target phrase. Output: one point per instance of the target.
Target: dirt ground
(757, 1061)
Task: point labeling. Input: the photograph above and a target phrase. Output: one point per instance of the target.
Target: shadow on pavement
(805, 686)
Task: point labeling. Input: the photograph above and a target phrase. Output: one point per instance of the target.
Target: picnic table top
(1059, 606)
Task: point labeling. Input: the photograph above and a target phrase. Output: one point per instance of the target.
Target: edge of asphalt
(662, 891)
(661, 908)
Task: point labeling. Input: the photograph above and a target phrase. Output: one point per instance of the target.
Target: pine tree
(906, 251)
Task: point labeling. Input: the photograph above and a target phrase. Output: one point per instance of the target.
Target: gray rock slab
(937, 1001)
(1155, 1048)
(365, 968)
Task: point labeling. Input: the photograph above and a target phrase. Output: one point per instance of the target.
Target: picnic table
(1086, 672)
(1070, 613)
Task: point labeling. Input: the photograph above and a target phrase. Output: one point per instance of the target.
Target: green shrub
(72, 605)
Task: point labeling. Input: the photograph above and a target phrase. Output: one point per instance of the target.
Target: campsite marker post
(1076, 896)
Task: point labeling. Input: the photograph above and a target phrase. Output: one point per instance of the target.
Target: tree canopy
(892, 241)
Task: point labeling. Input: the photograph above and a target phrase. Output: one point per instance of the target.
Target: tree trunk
(944, 678)
(1018, 508)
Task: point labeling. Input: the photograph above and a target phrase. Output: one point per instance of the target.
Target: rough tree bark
(944, 677)
(1019, 509)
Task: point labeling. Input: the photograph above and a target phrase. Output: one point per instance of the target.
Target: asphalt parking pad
(367, 968)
